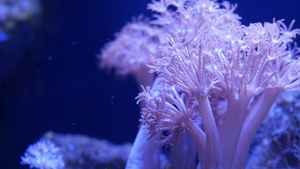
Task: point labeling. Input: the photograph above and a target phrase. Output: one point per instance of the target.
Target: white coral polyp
(44, 155)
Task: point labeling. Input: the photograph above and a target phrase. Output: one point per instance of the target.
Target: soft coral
(216, 79)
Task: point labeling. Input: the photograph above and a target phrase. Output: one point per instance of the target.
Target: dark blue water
(56, 83)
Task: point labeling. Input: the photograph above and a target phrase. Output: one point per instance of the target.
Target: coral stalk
(212, 158)
(143, 151)
(252, 123)
(232, 126)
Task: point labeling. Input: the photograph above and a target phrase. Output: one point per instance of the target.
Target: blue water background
(58, 86)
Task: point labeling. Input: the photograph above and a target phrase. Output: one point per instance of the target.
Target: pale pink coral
(44, 155)
(236, 62)
(216, 79)
(131, 51)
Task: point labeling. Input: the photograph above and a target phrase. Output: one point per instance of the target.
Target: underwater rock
(83, 152)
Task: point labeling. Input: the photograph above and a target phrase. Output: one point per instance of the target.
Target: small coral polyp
(44, 155)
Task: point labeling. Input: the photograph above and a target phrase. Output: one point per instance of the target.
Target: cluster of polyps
(243, 69)
(216, 81)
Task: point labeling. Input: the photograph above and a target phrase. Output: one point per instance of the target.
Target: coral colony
(44, 155)
(215, 81)
(207, 83)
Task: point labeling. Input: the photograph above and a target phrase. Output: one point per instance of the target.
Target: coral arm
(200, 139)
(212, 152)
(232, 126)
(252, 123)
(143, 150)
